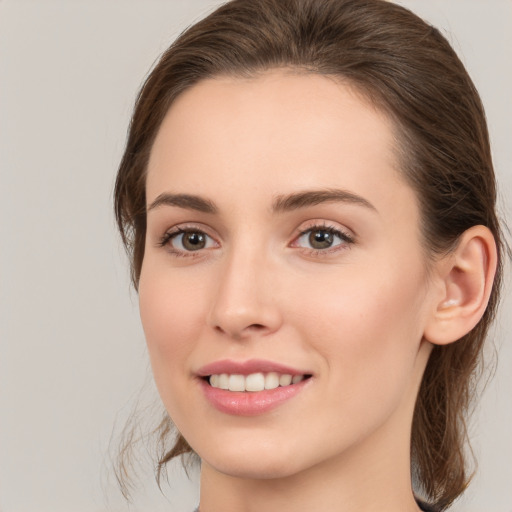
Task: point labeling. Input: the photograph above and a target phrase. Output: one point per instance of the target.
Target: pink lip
(247, 367)
(249, 403)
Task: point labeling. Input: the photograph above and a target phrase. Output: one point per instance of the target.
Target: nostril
(239, 334)
(256, 327)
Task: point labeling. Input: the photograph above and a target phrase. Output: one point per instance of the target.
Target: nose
(244, 304)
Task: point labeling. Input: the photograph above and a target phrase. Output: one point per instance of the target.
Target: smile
(253, 387)
(253, 382)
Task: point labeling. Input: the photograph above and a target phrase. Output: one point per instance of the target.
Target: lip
(249, 403)
(247, 367)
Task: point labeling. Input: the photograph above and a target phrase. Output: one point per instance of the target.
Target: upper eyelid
(324, 226)
(328, 225)
(190, 226)
(303, 227)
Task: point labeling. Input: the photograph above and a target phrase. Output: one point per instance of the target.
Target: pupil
(194, 241)
(320, 239)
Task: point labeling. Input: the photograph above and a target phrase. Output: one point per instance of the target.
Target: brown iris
(321, 239)
(194, 240)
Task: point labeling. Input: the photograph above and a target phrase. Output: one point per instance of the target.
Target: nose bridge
(244, 305)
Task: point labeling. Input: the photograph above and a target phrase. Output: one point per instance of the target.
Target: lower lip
(250, 403)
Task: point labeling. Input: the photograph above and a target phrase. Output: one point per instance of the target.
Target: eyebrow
(187, 201)
(281, 203)
(307, 198)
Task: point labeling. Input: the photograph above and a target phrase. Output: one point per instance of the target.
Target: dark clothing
(424, 506)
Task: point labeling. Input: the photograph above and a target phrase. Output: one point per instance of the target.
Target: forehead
(270, 133)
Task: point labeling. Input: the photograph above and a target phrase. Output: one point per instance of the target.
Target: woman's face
(282, 242)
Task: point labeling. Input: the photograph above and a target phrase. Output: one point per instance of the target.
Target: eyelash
(170, 235)
(345, 240)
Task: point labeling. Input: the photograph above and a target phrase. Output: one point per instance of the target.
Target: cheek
(367, 324)
(172, 316)
(361, 300)
(369, 341)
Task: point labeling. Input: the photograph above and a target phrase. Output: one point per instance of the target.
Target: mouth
(254, 382)
(253, 387)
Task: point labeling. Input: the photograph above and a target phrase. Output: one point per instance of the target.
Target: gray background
(72, 357)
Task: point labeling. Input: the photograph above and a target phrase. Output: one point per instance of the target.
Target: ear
(463, 284)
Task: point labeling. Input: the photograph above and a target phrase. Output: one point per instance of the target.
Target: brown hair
(409, 70)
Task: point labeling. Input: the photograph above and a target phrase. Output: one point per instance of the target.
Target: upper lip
(247, 367)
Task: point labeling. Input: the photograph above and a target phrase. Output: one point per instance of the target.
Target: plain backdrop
(72, 357)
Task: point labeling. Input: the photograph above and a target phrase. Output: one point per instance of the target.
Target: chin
(251, 460)
(254, 469)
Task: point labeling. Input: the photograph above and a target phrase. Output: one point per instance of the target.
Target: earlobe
(465, 278)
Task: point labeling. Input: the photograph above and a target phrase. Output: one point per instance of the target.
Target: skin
(353, 315)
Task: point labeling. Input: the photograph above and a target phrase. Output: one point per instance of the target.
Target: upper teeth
(254, 381)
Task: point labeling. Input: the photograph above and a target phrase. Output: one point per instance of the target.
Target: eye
(322, 238)
(183, 240)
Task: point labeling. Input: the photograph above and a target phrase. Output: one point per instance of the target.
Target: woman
(308, 201)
